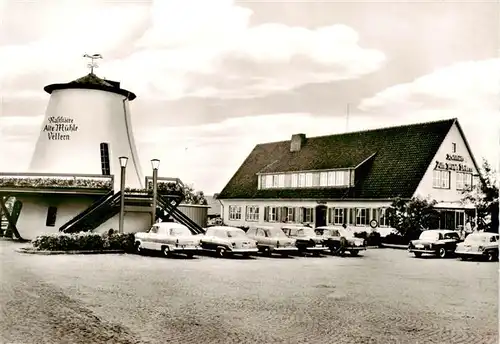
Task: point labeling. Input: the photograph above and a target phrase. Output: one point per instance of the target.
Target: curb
(30, 250)
(401, 247)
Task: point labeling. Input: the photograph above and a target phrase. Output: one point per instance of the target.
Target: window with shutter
(300, 214)
(352, 216)
(284, 214)
(291, 213)
(266, 214)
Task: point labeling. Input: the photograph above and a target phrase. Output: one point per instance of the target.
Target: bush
(372, 238)
(398, 239)
(84, 241)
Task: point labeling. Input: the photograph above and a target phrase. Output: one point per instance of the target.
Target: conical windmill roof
(92, 81)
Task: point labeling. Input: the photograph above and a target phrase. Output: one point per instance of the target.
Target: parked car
(169, 238)
(479, 245)
(226, 241)
(306, 239)
(272, 240)
(439, 242)
(340, 240)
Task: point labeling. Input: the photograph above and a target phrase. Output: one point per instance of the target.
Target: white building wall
(133, 222)
(296, 203)
(426, 189)
(96, 116)
(33, 216)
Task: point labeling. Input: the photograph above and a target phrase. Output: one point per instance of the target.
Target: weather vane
(92, 63)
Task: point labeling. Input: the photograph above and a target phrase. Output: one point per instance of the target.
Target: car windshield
(429, 236)
(179, 231)
(305, 232)
(272, 233)
(347, 233)
(236, 234)
(476, 238)
(451, 236)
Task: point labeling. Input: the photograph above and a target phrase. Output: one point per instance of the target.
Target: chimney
(297, 142)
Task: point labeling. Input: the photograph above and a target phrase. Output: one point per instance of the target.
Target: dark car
(306, 239)
(340, 240)
(438, 242)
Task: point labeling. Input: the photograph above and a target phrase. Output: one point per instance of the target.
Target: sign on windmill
(92, 63)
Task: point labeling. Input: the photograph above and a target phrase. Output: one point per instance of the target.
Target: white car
(271, 240)
(479, 245)
(226, 241)
(169, 238)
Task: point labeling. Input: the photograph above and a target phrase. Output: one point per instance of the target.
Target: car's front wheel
(166, 251)
(138, 248)
(334, 250)
(492, 256)
(354, 253)
(417, 254)
(221, 252)
(442, 252)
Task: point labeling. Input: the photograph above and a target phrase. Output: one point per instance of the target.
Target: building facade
(353, 178)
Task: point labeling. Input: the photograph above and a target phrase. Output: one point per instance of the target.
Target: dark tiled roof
(402, 155)
(92, 81)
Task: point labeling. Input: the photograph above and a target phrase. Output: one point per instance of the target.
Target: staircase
(95, 215)
(109, 205)
(171, 208)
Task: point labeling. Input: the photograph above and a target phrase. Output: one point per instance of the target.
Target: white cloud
(469, 91)
(70, 28)
(192, 47)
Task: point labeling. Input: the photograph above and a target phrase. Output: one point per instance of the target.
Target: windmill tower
(87, 127)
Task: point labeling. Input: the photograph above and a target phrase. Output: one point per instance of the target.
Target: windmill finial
(92, 63)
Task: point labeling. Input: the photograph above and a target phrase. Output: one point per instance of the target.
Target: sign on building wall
(454, 164)
(445, 166)
(60, 128)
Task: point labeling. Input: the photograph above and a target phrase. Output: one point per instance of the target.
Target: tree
(484, 196)
(194, 197)
(411, 217)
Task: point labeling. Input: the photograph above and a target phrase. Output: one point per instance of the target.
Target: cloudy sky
(215, 77)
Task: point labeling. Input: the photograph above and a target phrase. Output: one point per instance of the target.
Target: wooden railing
(55, 180)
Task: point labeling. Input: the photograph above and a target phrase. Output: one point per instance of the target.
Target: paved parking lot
(384, 296)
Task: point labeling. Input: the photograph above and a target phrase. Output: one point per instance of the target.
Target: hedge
(398, 239)
(372, 238)
(84, 241)
(54, 182)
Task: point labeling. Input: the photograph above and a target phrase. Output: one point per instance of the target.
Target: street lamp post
(123, 165)
(155, 164)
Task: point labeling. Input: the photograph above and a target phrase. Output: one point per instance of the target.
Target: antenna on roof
(93, 64)
(347, 117)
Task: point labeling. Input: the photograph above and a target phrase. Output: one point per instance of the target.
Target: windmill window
(105, 168)
(51, 217)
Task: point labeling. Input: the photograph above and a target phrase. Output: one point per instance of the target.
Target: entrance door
(449, 220)
(321, 212)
